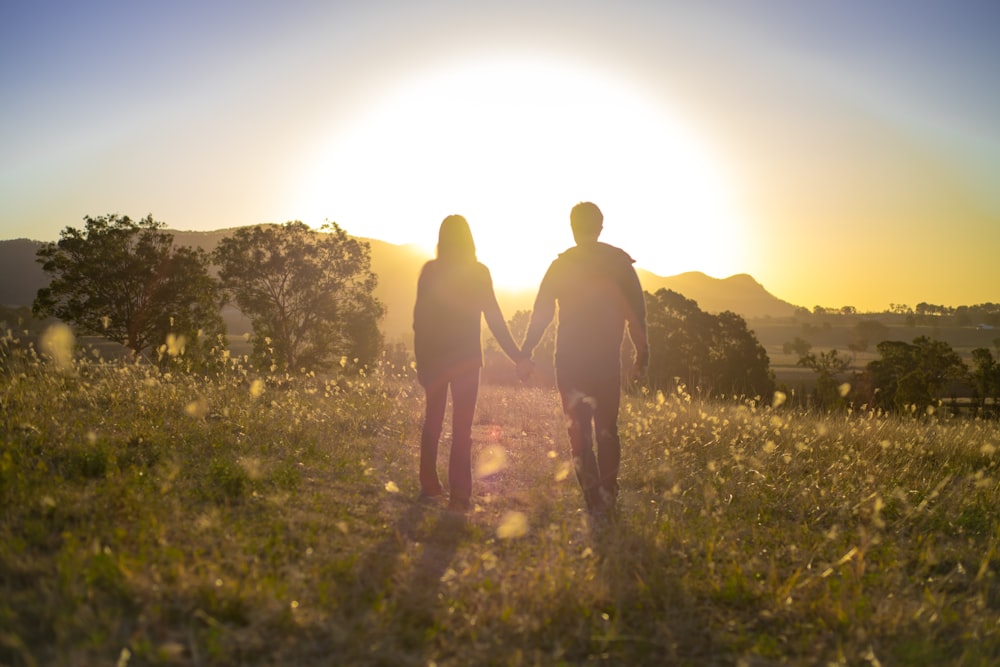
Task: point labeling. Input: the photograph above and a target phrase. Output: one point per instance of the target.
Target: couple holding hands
(599, 298)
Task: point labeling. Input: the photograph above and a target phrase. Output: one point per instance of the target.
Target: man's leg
(578, 408)
(608, 443)
(437, 398)
(464, 391)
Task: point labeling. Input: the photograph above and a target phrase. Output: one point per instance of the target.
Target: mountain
(398, 267)
(740, 293)
(20, 275)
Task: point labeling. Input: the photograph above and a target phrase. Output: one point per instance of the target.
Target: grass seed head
(57, 342)
(512, 525)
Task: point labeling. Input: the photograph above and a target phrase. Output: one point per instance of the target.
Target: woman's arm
(496, 322)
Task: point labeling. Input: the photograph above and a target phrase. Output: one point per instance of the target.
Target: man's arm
(635, 319)
(541, 313)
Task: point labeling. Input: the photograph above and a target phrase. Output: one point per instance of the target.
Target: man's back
(597, 292)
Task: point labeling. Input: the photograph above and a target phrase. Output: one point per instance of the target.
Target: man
(598, 294)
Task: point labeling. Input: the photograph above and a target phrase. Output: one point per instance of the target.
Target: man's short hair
(586, 218)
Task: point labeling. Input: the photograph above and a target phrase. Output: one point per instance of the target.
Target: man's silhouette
(598, 294)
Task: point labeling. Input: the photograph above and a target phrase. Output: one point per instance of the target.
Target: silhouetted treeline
(923, 314)
(712, 355)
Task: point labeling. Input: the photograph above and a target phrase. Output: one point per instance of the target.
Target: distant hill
(20, 276)
(740, 294)
(398, 267)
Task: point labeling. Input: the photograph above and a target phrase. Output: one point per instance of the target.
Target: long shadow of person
(402, 576)
(653, 613)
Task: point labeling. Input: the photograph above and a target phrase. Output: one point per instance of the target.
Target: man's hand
(524, 369)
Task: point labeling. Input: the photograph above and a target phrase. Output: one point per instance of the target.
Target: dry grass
(154, 518)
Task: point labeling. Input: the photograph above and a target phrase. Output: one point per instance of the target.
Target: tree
(678, 354)
(799, 346)
(714, 353)
(864, 332)
(307, 293)
(740, 365)
(913, 375)
(830, 368)
(123, 279)
(986, 379)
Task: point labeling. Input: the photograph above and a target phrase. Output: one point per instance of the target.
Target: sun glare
(512, 145)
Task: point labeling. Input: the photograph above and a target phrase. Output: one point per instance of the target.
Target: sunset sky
(841, 153)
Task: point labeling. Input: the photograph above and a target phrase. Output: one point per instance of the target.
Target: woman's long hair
(455, 242)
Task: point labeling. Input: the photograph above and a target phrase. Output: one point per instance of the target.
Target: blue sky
(851, 150)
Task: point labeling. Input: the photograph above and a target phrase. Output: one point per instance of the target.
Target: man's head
(587, 222)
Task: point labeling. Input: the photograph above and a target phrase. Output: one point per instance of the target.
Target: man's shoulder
(615, 252)
(601, 256)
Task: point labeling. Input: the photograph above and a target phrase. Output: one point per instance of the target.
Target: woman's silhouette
(454, 291)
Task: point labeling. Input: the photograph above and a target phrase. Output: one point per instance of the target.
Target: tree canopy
(985, 378)
(308, 293)
(913, 375)
(123, 279)
(716, 354)
(830, 367)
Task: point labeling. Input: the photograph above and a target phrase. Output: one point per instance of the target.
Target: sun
(512, 145)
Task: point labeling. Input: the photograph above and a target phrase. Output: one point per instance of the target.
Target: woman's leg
(464, 391)
(437, 399)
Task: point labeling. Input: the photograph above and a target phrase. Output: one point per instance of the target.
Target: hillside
(20, 276)
(739, 293)
(281, 526)
(398, 267)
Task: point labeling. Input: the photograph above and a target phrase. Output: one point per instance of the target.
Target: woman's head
(455, 240)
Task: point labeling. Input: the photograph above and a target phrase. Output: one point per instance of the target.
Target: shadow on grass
(649, 615)
(402, 576)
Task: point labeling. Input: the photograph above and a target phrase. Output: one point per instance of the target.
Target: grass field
(151, 518)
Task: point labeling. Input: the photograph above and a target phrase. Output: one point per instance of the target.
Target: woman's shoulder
(469, 273)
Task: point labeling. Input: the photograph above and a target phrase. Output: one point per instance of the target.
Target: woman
(454, 291)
